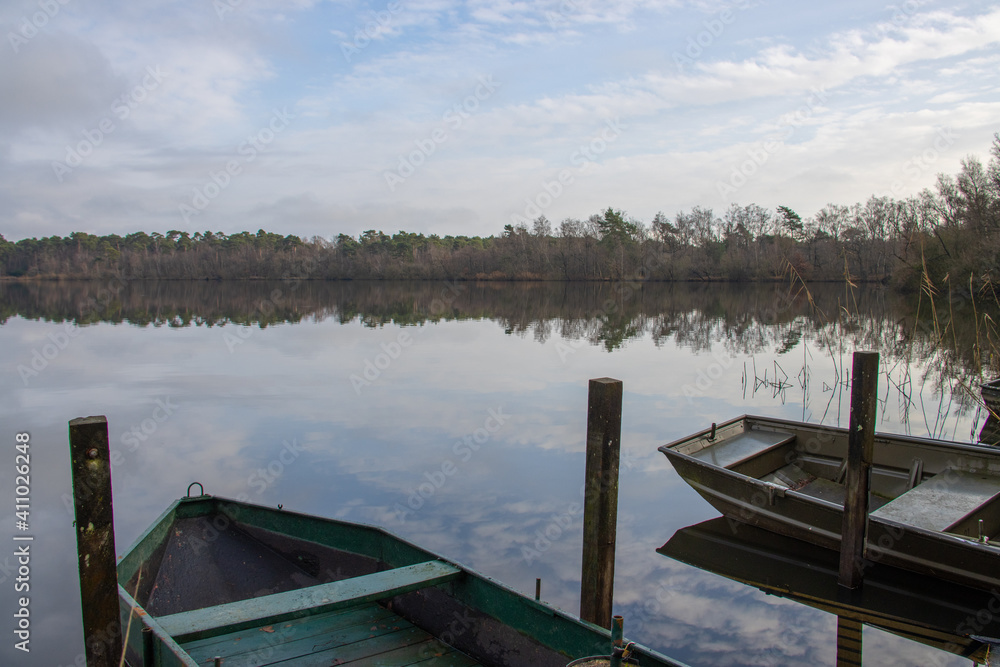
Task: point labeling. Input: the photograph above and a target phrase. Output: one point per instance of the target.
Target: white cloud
(566, 67)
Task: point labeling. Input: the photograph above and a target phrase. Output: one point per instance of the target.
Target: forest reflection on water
(251, 365)
(746, 317)
(955, 341)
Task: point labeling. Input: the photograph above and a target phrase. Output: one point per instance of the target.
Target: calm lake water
(349, 400)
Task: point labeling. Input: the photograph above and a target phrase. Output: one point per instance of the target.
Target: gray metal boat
(934, 505)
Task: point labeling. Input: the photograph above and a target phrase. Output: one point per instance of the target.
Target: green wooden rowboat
(251, 585)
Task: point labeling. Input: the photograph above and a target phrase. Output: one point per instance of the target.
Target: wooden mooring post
(90, 455)
(600, 513)
(860, 446)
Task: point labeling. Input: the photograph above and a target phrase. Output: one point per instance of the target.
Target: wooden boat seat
(942, 501)
(733, 451)
(278, 607)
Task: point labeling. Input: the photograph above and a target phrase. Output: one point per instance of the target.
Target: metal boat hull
(747, 499)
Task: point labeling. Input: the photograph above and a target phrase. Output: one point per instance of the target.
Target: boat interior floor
(212, 560)
(360, 636)
(795, 478)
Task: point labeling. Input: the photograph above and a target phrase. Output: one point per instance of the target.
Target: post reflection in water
(848, 642)
(465, 433)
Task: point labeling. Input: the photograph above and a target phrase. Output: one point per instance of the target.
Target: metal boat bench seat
(738, 449)
(944, 500)
(794, 478)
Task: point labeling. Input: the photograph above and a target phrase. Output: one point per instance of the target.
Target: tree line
(949, 232)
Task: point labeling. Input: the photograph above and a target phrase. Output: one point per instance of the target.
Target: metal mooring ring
(200, 486)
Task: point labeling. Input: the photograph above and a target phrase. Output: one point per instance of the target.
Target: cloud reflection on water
(358, 457)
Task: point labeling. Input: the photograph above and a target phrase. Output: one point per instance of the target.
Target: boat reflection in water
(940, 614)
(990, 433)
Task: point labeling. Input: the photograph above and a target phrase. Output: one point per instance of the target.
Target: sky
(321, 117)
